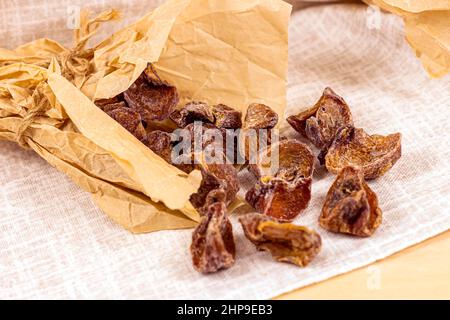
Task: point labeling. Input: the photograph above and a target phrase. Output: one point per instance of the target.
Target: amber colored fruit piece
(351, 206)
(216, 177)
(152, 98)
(321, 122)
(285, 193)
(295, 159)
(298, 121)
(192, 111)
(226, 117)
(262, 119)
(374, 154)
(285, 241)
(260, 116)
(212, 246)
(130, 120)
(279, 198)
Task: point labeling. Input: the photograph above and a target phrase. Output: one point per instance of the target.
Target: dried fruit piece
(216, 195)
(321, 122)
(374, 154)
(258, 122)
(193, 111)
(110, 104)
(130, 120)
(260, 116)
(279, 198)
(220, 115)
(209, 183)
(298, 121)
(113, 106)
(216, 177)
(295, 159)
(202, 139)
(153, 98)
(351, 206)
(228, 176)
(160, 142)
(226, 117)
(206, 135)
(283, 192)
(285, 241)
(213, 247)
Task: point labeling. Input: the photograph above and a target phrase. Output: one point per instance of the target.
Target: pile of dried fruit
(280, 194)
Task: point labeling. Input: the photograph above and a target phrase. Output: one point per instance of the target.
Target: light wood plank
(419, 272)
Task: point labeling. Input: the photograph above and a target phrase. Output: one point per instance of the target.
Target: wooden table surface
(419, 272)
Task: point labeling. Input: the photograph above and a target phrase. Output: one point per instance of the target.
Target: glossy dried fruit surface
(153, 98)
(258, 122)
(286, 242)
(260, 116)
(129, 119)
(191, 112)
(374, 154)
(298, 121)
(226, 117)
(283, 191)
(279, 198)
(351, 206)
(213, 246)
(295, 159)
(321, 122)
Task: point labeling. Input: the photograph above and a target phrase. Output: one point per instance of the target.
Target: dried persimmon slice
(258, 122)
(321, 123)
(285, 241)
(283, 191)
(374, 154)
(260, 116)
(279, 198)
(226, 117)
(351, 207)
(295, 159)
(213, 246)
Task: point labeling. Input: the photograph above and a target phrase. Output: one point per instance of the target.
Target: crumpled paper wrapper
(233, 52)
(427, 29)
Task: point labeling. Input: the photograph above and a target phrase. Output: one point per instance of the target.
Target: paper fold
(427, 30)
